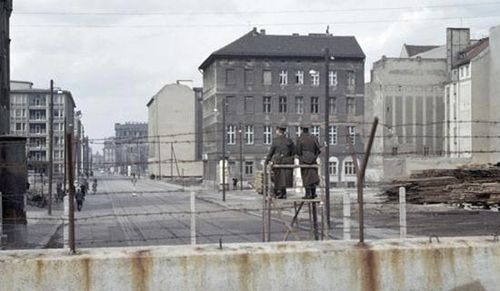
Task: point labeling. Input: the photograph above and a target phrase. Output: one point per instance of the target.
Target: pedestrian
(235, 183)
(308, 150)
(83, 189)
(282, 152)
(79, 199)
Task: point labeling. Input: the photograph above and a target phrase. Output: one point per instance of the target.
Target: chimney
(457, 39)
(263, 32)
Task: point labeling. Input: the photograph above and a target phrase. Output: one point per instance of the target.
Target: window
(268, 134)
(267, 77)
(248, 134)
(282, 104)
(351, 80)
(315, 105)
(332, 168)
(230, 77)
(299, 78)
(333, 135)
(394, 151)
(351, 136)
(426, 150)
(349, 168)
(299, 105)
(249, 104)
(266, 104)
(231, 134)
(315, 131)
(332, 78)
(248, 167)
(298, 131)
(19, 126)
(315, 78)
(351, 105)
(283, 78)
(333, 105)
(249, 77)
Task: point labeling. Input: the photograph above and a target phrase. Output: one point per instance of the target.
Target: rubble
(472, 184)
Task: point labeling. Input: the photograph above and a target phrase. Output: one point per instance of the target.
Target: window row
(284, 78)
(349, 169)
(284, 105)
(247, 134)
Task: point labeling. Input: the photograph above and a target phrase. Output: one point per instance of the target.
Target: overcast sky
(115, 54)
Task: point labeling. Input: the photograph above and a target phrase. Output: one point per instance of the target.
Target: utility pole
(71, 195)
(65, 148)
(224, 148)
(327, 136)
(241, 157)
(158, 137)
(171, 160)
(51, 144)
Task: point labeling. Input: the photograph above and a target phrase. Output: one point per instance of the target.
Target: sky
(114, 55)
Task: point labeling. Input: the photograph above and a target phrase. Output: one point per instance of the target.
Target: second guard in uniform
(282, 152)
(308, 150)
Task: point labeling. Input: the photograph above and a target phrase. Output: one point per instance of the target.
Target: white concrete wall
(416, 264)
(494, 88)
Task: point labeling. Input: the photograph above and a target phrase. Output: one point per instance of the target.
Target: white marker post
(347, 215)
(402, 212)
(65, 222)
(133, 182)
(193, 218)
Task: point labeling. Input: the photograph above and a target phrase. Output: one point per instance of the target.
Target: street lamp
(240, 131)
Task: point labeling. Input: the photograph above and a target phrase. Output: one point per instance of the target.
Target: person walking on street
(282, 152)
(79, 199)
(308, 150)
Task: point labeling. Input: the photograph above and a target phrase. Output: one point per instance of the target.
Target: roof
(467, 54)
(412, 50)
(255, 44)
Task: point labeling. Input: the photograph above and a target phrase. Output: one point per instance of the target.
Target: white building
(174, 130)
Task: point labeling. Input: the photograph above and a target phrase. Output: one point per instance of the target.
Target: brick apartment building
(269, 80)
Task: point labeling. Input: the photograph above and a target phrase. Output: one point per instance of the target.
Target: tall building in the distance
(30, 118)
(268, 80)
(131, 148)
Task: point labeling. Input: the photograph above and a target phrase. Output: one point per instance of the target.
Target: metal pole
(361, 178)
(327, 137)
(241, 157)
(64, 164)
(51, 144)
(71, 196)
(193, 218)
(159, 158)
(171, 160)
(402, 212)
(224, 149)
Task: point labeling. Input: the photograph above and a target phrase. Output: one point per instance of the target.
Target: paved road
(159, 214)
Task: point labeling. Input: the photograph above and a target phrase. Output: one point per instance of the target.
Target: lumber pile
(476, 185)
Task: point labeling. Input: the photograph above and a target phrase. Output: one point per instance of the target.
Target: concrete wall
(494, 89)
(452, 264)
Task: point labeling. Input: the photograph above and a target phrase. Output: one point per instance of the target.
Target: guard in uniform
(282, 152)
(308, 150)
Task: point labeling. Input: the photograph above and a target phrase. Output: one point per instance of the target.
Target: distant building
(260, 81)
(175, 136)
(472, 98)
(29, 118)
(131, 148)
(109, 155)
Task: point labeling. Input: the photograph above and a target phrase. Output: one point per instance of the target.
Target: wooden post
(71, 196)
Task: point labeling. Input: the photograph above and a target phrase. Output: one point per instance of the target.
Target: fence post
(402, 212)
(71, 196)
(347, 215)
(65, 222)
(193, 218)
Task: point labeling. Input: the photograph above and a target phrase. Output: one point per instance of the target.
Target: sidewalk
(38, 231)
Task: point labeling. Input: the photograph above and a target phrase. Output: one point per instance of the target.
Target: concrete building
(175, 136)
(29, 118)
(260, 81)
(109, 154)
(472, 96)
(131, 147)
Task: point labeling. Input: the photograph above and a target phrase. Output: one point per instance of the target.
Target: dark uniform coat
(308, 151)
(282, 152)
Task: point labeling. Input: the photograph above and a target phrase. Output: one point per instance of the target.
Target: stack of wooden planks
(477, 185)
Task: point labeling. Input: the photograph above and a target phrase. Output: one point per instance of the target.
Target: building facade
(30, 118)
(471, 99)
(261, 81)
(175, 137)
(109, 154)
(131, 148)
